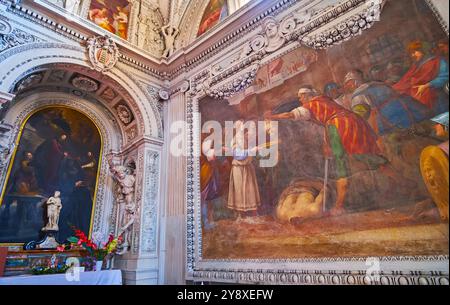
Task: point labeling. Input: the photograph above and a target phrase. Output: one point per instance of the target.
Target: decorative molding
(295, 277)
(168, 72)
(346, 29)
(150, 206)
(438, 15)
(11, 37)
(85, 83)
(238, 83)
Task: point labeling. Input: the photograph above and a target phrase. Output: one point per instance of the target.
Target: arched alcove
(109, 132)
(57, 153)
(69, 57)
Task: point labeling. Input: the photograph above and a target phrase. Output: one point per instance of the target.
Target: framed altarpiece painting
(58, 149)
(336, 167)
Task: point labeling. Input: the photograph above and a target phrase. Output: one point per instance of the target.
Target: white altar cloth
(106, 277)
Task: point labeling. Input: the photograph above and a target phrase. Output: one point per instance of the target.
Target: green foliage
(39, 270)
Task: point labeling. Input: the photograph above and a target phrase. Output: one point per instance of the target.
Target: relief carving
(125, 179)
(103, 53)
(148, 30)
(169, 33)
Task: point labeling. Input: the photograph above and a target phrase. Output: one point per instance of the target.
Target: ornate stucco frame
(233, 77)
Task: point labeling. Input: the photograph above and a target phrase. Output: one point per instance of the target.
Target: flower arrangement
(95, 248)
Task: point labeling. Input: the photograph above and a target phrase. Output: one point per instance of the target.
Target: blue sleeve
(442, 77)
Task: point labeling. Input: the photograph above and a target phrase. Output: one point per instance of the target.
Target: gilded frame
(18, 137)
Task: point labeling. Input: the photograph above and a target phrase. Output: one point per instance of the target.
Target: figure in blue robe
(387, 110)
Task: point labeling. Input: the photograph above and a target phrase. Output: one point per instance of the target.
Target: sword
(325, 183)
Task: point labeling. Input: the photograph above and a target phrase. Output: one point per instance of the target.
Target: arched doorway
(58, 149)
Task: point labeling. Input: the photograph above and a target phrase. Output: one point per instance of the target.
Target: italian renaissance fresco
(58, 151)
(360, 131)
(111, 15)
(215, 12)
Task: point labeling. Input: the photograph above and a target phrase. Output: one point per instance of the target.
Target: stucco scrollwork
(5, 26)
(164, 94)
(239, 83)
(150, 205)
(11, 37)
(272, 37)
(346, 29)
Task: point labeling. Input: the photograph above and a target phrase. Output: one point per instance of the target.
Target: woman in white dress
(243, 193)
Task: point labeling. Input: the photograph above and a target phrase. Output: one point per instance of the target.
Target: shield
(434, 167)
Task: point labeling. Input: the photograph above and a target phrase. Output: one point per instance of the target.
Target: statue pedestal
(48, 242)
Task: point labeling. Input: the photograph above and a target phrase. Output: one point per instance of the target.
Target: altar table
(106, 277)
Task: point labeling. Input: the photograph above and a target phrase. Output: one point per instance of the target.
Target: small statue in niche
(125, 192)
(170, 33)
(54, 207)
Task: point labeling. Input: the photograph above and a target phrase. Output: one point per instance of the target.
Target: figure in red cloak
(425, 79)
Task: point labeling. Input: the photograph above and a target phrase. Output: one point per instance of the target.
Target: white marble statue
(169, 33)
(54, 207)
